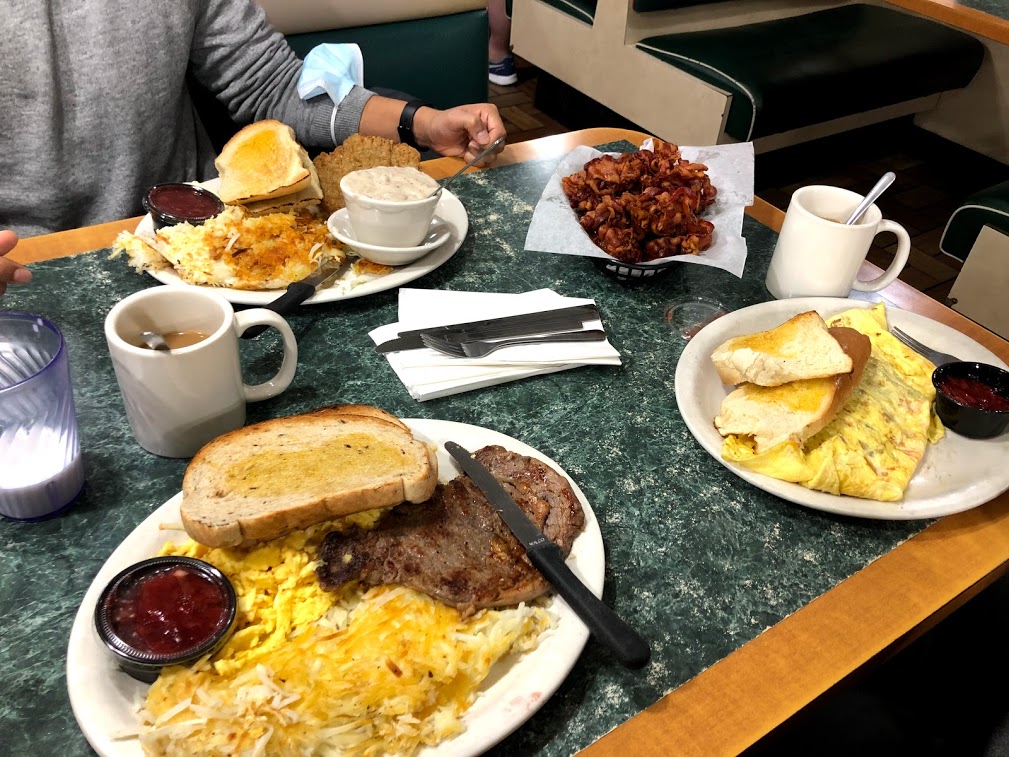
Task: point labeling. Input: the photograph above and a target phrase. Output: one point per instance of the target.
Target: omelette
(873, 446)
(236, 250)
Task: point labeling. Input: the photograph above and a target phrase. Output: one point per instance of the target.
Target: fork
(938, 358)
(480, 348)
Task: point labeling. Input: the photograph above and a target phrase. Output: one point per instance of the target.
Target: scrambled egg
(874, 444)
(314, 672)
(236, 250)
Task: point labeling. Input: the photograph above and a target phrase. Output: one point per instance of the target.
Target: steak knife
(512, 325)
(297, 292)
(626, 644)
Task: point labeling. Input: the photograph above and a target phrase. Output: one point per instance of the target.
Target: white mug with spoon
(179, 399)
(818, 254)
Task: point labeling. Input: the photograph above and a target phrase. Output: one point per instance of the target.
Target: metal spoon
(154, 340)
(480, 156)
(874, 193)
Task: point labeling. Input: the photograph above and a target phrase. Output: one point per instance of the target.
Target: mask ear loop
(332, 125)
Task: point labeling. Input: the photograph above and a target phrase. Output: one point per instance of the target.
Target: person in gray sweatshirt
(94, 106)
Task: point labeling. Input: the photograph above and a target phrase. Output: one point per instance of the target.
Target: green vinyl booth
(989, 207)
(773, 72)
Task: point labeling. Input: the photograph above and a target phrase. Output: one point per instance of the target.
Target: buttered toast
(268, 479)
(800, 348)
(797, 410)
(264, 162)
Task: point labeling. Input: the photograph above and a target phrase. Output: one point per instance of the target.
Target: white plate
(954, 475)
(449, 209)
(340, 227)
(103, 697)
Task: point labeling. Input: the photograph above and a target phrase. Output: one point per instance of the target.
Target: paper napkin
(428, 374)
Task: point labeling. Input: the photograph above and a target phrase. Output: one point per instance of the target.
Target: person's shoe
(503, 72)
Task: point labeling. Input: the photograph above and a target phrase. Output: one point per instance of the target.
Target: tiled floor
(522, 119)
(933, 176)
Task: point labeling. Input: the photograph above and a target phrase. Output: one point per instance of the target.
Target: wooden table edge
(953, 13)
(732, 704)
(746, 695)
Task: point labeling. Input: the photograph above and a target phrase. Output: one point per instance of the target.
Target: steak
(455, 547)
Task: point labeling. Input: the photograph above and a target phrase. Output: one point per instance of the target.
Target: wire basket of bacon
(643, 208)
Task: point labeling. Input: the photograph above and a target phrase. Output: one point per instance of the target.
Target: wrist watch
(405, 129)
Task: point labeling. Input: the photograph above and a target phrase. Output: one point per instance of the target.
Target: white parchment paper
(554, 226)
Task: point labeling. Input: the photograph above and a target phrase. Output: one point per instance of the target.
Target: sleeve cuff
(331, 125)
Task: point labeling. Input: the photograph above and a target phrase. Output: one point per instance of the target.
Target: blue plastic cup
(41, 470)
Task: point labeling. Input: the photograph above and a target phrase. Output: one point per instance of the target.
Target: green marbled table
(698, 560)
(997, 8)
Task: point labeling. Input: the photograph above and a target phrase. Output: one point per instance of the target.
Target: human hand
(11, 272)
(460, 132)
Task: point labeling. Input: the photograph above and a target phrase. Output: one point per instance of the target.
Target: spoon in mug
(154, 340)
(480, 156)
(874, 193)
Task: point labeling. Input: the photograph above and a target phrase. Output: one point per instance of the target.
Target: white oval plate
(449, 208)
(103, 697)
(954, 475)
(340, 227)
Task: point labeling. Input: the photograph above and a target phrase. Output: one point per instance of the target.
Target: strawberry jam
(169, 611)
(973, 393)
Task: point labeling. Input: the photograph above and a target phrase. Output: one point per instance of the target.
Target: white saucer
(341, 228)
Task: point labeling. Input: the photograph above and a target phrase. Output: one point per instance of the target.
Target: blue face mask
(332, 69)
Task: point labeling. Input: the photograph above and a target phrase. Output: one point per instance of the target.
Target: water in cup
(41, 469)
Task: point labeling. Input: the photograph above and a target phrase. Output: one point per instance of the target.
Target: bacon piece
(644, 205)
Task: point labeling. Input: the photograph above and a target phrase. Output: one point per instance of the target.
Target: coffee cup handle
(899, 259)
(261, 316)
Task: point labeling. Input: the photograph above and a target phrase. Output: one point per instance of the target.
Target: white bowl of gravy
(390, 206)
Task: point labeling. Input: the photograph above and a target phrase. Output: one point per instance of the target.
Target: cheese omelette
(309, 671)
(236, 250)
(872, 447)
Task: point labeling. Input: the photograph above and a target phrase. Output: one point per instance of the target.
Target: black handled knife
(626, 643)
(297, 292)
(512, 325)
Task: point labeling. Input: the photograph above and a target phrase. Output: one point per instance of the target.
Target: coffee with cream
(176, 340)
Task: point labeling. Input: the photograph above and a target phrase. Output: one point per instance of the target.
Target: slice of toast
(309, 196)
(268, 479)
(797, 410)
(800, 348)
(262, 161)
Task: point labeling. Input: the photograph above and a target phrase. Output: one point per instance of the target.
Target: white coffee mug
(817, 255)
(178, 400)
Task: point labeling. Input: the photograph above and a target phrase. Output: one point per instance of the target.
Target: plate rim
(563, 650)
(689, 372)
(450, 208)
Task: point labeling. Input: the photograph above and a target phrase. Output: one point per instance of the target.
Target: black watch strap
(405, 129)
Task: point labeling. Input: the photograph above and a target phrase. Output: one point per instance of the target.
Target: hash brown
(236, 250)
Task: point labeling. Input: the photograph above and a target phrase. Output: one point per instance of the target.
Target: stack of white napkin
(428, 374)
